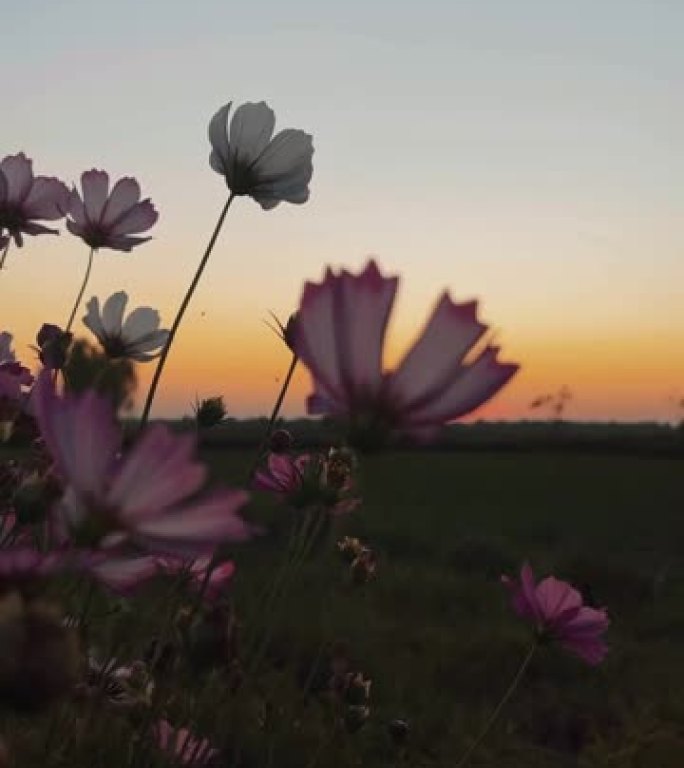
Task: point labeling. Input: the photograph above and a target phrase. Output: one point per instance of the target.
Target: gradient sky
(528, 153)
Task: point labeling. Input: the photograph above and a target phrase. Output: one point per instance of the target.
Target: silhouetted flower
(25, 199)
(138, 338)
(281, 441)
(558, 613)
(340, 335)
(104, 219)
(141, 497)
(53, 345)
(270, 170)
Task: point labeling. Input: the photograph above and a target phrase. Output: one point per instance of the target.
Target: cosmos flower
(308, 480)
(53, 344)
(140, 498)
(268, 168)
(123, 575)
(138, 338)
(104, 219)
(557, 611)
(340, 335)
(26, 199)
(183, 746)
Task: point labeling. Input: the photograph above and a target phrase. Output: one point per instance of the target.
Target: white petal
(250, 132)
(218, 134)
(141, 322)
(112, 313)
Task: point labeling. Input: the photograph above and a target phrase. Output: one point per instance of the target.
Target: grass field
(434, 630)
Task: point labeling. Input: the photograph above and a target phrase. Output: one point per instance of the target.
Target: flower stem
(497, 710)
(181, 311)
(274, 415)
(81, 292)
(4, 253)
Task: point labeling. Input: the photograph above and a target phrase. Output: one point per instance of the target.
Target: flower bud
(281, 441)
(53, 346)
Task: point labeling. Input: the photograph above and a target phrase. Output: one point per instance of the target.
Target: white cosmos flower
(254, 162)
(138, 338)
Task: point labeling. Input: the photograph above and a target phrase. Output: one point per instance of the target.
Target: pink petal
(554, 597)
(18, 173)
(158, 472)
(124, 195)
(437, 355)
(124, 575)
(136, 219)
(95, 185)
(48, 199)
(474, 385)
(198, 528)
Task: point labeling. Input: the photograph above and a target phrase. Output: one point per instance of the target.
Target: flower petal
(95, 185)
(18, 172)
(93, 319)
(218, 137)
(141, 322)
(124, 195)
(112, 313)
(48, 199)
(250, 132)
(136, 219)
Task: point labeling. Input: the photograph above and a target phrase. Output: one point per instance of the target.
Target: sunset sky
(528, 153)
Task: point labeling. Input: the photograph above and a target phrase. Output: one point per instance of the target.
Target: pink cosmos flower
(339, 336)
(105, 219)
(122, 574)
(25, 199)
(558, 613)
(283, 475)
(26, 563)
(221, 575)
(183, 746)
(141, 498)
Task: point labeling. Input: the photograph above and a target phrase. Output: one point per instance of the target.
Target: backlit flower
(559, 614)
(140, 498)
(271, 169)
(340, 336)
(105, 219)
(26, 199)
(139, 337)
(53, 344)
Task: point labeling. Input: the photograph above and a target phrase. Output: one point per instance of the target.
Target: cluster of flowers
(86, 503)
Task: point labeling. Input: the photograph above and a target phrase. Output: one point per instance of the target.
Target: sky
(528, 154)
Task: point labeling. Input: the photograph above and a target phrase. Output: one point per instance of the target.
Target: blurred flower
(398, 730)
(138, 338)
(340, 336)
(209, 412)
(270, 170)
(53, 345)
(183, 746)
(363, 566)
(558, 613)
(34, 497)
(122, 574)
(142, 497)
(104, 219)
(25, 199)
(9, 364)
(14, 377)
(350, 548)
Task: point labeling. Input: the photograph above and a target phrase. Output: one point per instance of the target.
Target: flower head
(182, 746)
(271, 169)
(26, 199)
(140, 498)
(139, 337)
(105, 219)
(558, 613)
(340, 335)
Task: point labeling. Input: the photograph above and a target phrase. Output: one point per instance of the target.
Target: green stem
(274, 416)
(181, 311)
(81, 292)
(4, 253)
(497, 710)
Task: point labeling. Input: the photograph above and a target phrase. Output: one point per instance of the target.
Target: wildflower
(104, 219)
(270, 170)
(122, 574)
(558, 613)
(350, 548)
(123, 686)
(307, 480)
(183, 746)
(53, 345)
(138, 338)
(140, 498)
(363, 566)
(340, 335)
(26, 199)
(220, 576)
(209, 412)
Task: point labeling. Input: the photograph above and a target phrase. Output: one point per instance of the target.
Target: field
(434, 630)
